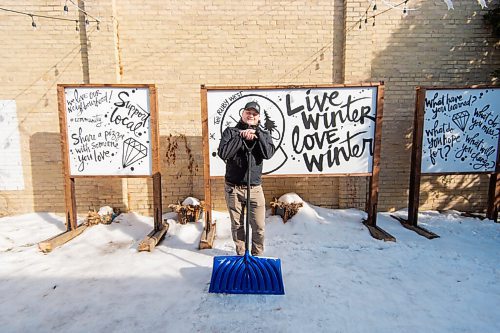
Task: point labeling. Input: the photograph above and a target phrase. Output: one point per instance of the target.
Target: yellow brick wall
(179, 45)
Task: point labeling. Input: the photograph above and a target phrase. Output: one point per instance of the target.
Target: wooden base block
(421, 231)
(152, 239)
(379, 233)
(51, 243)
(207, 237)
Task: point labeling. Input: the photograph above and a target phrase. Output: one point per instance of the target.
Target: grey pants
(236, 200)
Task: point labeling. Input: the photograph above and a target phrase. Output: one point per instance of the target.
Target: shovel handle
(247, 205)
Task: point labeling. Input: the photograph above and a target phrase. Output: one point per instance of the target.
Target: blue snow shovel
(247, 274)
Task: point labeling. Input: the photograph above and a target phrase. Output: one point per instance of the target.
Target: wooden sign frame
(416, 163)
(208, 234)
(72, 229)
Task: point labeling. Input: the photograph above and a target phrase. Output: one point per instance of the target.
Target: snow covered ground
(337, 277)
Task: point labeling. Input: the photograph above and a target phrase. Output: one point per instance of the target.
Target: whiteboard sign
(108, 131)
(461, 128)
(315, 130)
(11, 168)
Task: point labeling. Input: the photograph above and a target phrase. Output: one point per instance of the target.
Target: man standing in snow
(233, 150)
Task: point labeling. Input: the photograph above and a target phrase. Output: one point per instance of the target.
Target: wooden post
(157, 201)
(155, 158)
(371, 222)
(494, 189)
(71, 222)
(69, 182)
(416, 158)
(208, 234)
(373, 188)
(415, 170)
(493, 197)
(160, 228)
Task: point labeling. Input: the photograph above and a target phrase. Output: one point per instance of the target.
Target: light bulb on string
(405, 10)
(98, 28)
(375, 6)
(65, 8)
(76, 26)
(33, 23)
(366, 16)
(360, 23)
(373, 21)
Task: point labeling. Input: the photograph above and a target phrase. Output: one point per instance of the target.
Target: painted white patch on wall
(11, 168)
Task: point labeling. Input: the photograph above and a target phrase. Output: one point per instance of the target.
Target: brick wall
(179, 45)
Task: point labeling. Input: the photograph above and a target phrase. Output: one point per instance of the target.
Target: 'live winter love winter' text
(327, 134)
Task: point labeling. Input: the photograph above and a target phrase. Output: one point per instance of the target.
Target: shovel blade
(247, 275)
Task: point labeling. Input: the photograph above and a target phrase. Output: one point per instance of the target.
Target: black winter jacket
(233, 152)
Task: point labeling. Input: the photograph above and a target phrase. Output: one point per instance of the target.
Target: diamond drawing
(133, 151)
(460, 119)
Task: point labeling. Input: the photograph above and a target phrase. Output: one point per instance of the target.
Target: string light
(34, 25)
(365, 17)
(66, 9)
(76, 25)
(375, 6)
(81, 10)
